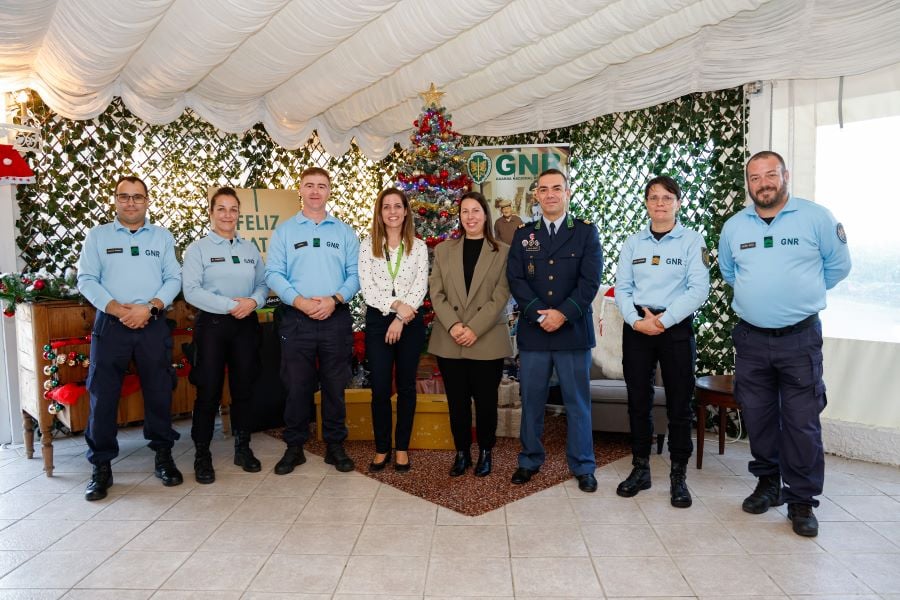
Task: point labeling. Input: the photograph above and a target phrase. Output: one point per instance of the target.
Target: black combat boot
(638, 480)
(243, 455)
(681, 497)
(101, 480)
(166, 469)
(203, 467)
(766, 494)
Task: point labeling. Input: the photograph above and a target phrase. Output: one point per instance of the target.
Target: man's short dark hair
(766, 154)
(131, 179)
(554, 172)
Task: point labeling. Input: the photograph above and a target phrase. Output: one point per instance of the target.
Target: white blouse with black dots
(410, 284)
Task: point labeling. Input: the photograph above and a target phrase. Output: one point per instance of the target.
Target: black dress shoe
(293, 457)
(335, 455)
(766, 494)
(803, 521)
(403, 467)
(374, 467)
(523, 475)
(587, 482)
(485, 462)
(462, 462)
(166, 469)
(101, 480)
(203, 467)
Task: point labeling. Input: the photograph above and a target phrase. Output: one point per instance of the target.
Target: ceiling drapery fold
(351, 69)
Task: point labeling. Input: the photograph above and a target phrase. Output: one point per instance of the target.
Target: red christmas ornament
(8, 312)
(444, 174)
(416, 123)
(423, 211)
(39, 284)
(444, 214)
(72, 355)
(433, 147)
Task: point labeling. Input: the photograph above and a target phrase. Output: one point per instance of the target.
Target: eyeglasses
(661, 199)
(137, 199)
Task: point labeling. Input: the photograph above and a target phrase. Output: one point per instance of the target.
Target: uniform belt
(654, 311)
(780, 331)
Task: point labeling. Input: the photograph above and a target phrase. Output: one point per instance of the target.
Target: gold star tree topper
(432, 96)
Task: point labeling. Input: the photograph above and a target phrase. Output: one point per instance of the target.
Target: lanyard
(395, 268)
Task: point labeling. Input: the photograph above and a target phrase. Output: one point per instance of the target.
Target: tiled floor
(318, 533)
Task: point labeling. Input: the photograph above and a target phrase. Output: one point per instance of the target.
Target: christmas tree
(435, 176)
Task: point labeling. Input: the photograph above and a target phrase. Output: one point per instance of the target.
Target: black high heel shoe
(374, 467)
(462, 462)
(403, 467)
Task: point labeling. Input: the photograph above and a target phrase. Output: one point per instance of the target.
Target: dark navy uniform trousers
(778, 384)
(304, 342)
(675, 350)
(112, 348)
(221, 341)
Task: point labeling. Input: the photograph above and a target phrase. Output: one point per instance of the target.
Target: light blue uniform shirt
(131, 268)
(670, 274)
(310, 259)
(217, 270)
(780, 272)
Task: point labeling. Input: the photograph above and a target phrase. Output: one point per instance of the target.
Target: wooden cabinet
(39, 324)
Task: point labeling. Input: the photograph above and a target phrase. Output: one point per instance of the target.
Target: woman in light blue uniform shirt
(224, 277)
(661, 279)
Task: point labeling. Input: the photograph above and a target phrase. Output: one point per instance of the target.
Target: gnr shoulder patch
(841, 234)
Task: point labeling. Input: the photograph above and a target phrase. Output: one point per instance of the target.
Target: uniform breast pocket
(569, 264)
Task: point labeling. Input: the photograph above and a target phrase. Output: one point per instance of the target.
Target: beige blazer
(482, 309)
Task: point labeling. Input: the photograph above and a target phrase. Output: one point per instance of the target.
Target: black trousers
(387, 362)
(676, 352)
(315, 352)
(223, 341)
(466, 380)
(112, 347)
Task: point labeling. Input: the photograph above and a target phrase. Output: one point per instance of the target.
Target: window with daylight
(856, 178)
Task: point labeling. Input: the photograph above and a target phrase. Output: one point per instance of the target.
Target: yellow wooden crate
(431, 426)
(359, 414)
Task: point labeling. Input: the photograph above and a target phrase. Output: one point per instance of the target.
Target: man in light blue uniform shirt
(780, 255)
(312, 266)
(128, 271)
(661, 279)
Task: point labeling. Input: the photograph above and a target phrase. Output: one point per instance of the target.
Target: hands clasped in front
(463, 335)
(317, 307)
(650, 324)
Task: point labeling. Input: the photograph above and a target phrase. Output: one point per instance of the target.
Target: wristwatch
(337, 301)
(154, 311)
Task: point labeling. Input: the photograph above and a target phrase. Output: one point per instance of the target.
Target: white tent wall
(862, 419)
(10, 423)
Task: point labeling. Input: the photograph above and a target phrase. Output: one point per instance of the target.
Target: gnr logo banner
(261, 212)
(510, 173)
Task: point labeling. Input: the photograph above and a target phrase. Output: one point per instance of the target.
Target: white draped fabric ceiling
(353, 68)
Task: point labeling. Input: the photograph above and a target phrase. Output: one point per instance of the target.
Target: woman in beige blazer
(470, 336)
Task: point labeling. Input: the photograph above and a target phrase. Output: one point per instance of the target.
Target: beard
(779, 196)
